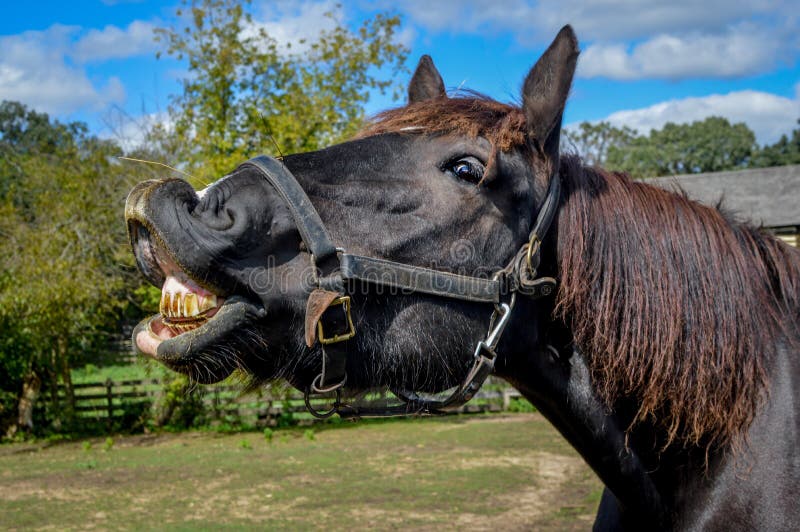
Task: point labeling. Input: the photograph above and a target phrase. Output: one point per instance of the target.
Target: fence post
(506, 399)
(110, 401)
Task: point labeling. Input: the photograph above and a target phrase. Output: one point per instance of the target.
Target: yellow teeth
(180, 328)
(185, 305)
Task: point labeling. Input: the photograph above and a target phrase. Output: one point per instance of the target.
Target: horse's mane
(675, 304)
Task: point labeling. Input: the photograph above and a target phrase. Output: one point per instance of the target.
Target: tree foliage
(710, 145)
(246, 93)
(65, 270)
(785, 151)
(67, 276)
(592, 141)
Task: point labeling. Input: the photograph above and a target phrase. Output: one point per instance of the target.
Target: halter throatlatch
(329, 314)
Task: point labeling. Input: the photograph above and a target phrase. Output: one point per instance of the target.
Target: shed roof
(764, 196)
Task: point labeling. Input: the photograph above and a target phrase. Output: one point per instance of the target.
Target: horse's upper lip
(167, 237)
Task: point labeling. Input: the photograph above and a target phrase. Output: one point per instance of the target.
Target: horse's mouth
(193, 321)
(184, 307)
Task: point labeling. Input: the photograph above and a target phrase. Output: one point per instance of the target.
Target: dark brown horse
(668, 355)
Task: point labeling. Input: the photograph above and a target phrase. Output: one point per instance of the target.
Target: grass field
(137, 370)
(479, 472)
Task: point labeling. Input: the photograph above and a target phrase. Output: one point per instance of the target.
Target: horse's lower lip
(150, 337)
(160, 328)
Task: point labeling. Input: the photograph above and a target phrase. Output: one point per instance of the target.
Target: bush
(520, 404)
(181, 405)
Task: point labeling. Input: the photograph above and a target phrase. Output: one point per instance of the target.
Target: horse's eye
(466, 168)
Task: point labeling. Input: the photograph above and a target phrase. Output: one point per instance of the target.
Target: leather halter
(333, 265)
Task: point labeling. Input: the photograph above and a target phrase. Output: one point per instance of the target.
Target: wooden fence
(110, 402)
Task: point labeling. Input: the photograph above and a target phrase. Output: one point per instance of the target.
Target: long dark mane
(675, 305)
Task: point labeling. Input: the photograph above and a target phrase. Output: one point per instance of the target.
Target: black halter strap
(334, 265)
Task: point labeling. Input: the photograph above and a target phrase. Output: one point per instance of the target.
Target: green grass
(140, 369)
(471, 472)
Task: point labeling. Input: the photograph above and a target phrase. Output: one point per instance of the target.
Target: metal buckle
(497, 326)
(344, 301)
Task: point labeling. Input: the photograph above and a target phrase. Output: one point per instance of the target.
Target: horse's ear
(426, 83)
(544, 93)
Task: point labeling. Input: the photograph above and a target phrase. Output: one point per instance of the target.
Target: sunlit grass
(460, 472)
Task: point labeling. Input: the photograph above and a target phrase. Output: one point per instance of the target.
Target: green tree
(592, 141)
(65, 267)
(247, 94)
(710, 145)
(785, 151)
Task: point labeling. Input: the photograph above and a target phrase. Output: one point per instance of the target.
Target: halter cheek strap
(328, 312)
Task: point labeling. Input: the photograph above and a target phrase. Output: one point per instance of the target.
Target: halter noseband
(333, 265)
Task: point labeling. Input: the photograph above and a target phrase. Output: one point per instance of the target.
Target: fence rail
(110, 401)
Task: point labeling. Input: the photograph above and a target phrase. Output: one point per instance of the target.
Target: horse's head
(450, 184)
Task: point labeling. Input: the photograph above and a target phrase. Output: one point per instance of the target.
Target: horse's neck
(675, 487)
(558, 384)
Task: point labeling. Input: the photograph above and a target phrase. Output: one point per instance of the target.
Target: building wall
(792, 240)
(790, 235)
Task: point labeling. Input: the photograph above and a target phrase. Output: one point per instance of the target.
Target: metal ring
(316, 413)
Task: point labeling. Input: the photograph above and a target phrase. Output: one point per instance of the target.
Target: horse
(657, 335)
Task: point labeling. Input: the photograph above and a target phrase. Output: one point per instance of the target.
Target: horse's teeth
(190, 308)
(207, 303)
(185, 305)
(166, 298)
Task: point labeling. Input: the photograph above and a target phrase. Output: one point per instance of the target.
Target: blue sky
(642, 62)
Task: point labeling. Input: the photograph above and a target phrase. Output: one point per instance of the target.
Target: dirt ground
(480, 472)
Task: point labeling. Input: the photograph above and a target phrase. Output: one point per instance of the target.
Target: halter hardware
(344, 301)
(518, 276)
(533, 250)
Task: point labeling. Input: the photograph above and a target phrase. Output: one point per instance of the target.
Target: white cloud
(293, 23)
(614, 20)
(34, 70)
(608, 20)
(768, 115)
(714, 38)
(743, 51)
(296, 24)
(468, 16)
(113, 42)
(130, 132)
(44, 69)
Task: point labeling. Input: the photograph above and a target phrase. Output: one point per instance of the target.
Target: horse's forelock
(674, 304)
(470, 114)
